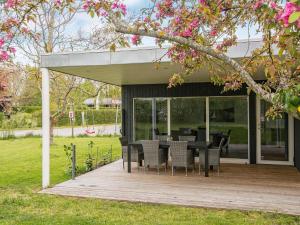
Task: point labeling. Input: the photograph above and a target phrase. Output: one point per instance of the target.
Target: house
(198, 106)
(106, 102)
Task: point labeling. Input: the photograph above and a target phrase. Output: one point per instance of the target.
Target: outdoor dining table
(192, 145)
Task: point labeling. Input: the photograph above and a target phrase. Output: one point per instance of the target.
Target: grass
(20, 178)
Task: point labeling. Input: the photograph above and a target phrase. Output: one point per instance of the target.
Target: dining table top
(166, 144)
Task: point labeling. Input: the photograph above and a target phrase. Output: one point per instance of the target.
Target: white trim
(234, 160)
(207, 118)
(139, 48)
(258, 131)
(153, 117)
(169, 115)
(45, 128)
(258, 139)
(133, 120)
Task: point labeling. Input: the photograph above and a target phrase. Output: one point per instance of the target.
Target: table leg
(129, 158)
(206, 161)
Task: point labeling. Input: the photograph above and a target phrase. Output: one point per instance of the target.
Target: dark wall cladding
(186, 90)
(297, 143)
(192, 90)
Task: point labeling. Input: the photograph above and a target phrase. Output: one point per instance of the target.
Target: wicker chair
(226, 142)
(187, 138)
(153, 156)
(181, 156)
(135, 154)
(213, 157)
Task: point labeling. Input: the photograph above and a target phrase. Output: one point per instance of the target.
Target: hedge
(32, 120)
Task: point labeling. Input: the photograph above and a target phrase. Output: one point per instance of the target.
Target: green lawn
(20, 178)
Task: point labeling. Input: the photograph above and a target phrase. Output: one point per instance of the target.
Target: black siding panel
(161, 90)
(252, 127)
(297, 143)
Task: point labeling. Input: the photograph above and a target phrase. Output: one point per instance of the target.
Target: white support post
(207, 118)
(169, 115)
(46, 128)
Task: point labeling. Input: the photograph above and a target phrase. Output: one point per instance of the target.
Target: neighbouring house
(106, 102)
(196, 107)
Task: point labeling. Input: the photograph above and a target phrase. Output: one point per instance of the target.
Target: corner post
(45, 128)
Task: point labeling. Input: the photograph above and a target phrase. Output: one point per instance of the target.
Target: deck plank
(246, 187)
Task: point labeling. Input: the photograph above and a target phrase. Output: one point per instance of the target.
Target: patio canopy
(133, 66)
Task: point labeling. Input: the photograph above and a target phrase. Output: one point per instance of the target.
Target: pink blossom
(135, 39)
(213, 32)
(187, 33)
(177, 20)
(123, 8)
(11, 3)
(288, 10)
(257, 4)
(4, 56)
(194, 24)
(85, 7)
(114, 5)
(12, 50)
(1, 42)
(9, 36)
(58, 2)
(147, 20)
(273, 5)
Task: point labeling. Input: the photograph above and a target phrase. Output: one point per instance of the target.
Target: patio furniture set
(180, 153)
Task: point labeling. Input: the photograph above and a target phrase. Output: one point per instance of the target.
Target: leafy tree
(200, 33)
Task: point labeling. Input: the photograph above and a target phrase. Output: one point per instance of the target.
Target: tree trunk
(97, 102)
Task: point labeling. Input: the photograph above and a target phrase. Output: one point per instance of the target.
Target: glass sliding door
(188, 117)
(161, 113)
(273, 136)
(143, 128)
(229, 116)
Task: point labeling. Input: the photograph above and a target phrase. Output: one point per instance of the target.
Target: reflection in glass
(273, 136)
(161, 106)
(143, 119)
(228, 117)
(188, 117)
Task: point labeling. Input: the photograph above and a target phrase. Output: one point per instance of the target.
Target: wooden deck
(246, 187)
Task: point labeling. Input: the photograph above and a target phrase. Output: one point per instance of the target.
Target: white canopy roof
(132, 66)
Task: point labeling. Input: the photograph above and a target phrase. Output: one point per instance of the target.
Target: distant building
(106, 102)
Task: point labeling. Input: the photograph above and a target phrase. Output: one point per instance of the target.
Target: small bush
(19, 120)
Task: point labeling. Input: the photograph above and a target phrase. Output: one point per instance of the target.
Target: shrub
(19, 120)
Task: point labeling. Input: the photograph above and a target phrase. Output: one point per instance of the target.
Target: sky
(85, 23)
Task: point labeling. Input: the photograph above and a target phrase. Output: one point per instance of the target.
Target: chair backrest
(151, 152)
(123, 141)
(187, 138)
(223, 142)
(178, 151)
(174, 134)
(229, 132)
(163, 137)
